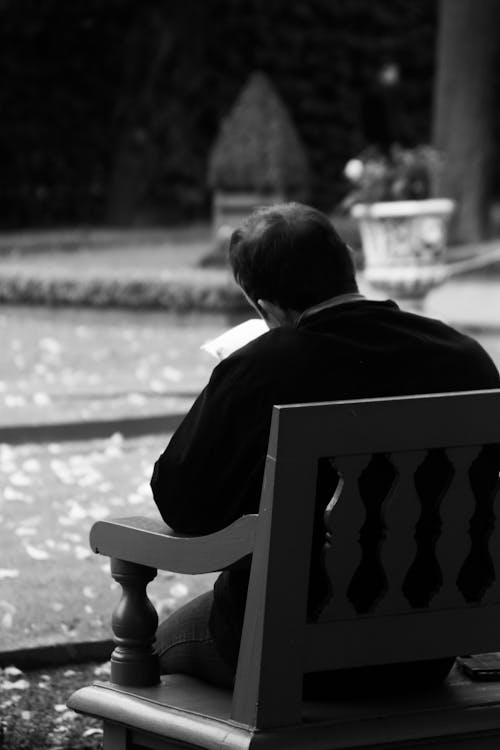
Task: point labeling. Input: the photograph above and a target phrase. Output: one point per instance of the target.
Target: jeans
(185, 645)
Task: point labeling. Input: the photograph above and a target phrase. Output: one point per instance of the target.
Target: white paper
(229, 341)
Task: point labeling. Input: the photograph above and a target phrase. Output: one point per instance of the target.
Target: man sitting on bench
(326, 342)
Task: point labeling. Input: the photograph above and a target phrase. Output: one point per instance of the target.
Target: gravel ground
(63, 365)
(67, 365)
(52, 587)
(33, 712)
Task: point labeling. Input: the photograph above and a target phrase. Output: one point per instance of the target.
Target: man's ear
(276, 316)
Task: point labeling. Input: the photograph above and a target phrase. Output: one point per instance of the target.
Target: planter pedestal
(404, 245)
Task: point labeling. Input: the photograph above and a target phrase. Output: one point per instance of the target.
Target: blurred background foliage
(110, 107)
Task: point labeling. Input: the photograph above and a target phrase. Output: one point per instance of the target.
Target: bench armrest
(148, 541)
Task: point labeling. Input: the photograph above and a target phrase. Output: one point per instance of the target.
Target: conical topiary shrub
(258, 149)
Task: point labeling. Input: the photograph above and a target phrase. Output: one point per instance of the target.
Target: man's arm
(211, 471)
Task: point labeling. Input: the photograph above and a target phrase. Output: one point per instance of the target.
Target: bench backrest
(459, 614)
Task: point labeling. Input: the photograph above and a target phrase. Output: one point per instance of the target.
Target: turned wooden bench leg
(134, 661)
(115, 737)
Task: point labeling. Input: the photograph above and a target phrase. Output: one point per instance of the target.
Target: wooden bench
(279, 644)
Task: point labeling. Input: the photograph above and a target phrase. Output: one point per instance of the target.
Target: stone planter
(404, 245)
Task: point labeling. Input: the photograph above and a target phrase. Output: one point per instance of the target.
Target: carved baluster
(492, 595)
(479, 577)
(454, 543)
(400, 514)
(134, 660)
(345, 522)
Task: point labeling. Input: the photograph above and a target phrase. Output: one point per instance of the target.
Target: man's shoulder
(457, 352)
(268, 357)
(273, 344)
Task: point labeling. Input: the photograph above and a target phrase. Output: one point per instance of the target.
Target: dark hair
(291, 255)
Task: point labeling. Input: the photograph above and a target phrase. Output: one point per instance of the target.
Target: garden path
(81, 364)
(52, 587)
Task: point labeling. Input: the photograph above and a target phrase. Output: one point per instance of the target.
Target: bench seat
(195, 714)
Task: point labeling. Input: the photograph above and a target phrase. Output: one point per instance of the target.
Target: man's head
(288, 257)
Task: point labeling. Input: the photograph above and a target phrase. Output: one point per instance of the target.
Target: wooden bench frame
(266, 706)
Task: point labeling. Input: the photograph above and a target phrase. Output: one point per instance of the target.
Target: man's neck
(339, 299)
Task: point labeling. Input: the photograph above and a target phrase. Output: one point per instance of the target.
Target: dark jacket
(211, 472)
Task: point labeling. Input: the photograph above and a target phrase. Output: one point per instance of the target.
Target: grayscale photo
(249, 374)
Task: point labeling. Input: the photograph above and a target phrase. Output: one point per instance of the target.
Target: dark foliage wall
(109, 107)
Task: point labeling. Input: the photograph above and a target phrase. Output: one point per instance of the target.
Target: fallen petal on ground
(92, 732)
(81, 553)
(7, 621)
(12, 671)
(103, 669)
(36, 553)
(16, 685)
(179, 590)
(8, 573)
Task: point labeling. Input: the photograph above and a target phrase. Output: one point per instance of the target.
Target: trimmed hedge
(184, 291)
(258, 149)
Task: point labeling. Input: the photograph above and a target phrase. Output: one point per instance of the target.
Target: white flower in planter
(354, 169)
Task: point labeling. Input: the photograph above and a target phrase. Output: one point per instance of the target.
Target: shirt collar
(340, 299)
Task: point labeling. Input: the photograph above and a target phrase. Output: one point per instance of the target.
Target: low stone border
(90, 430)
(180, 291)
(57, 655)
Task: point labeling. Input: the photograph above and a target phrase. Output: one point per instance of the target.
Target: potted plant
(403, 227)
(257, 158)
